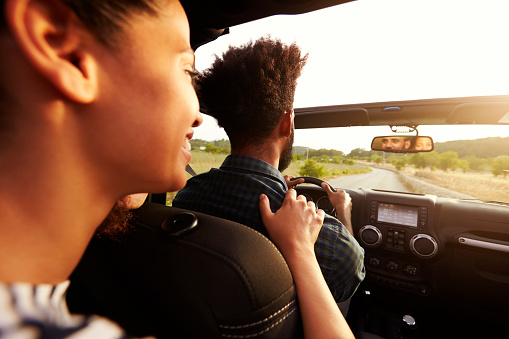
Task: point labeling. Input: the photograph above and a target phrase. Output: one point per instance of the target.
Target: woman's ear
(51, 37)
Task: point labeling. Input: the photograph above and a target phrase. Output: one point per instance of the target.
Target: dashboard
(430, 255)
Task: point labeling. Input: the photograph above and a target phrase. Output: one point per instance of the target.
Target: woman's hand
(294, 229)
(295, 226)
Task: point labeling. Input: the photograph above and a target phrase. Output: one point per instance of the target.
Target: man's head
(250, 87)
(396, 143)
(118, 72)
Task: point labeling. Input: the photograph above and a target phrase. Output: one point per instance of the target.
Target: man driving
(250, 91)
(396, 143)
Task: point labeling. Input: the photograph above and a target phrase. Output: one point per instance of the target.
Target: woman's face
(147, 105)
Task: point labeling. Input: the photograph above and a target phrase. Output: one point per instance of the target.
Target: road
(378, 178)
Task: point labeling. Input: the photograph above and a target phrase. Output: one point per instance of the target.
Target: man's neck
(266, 151)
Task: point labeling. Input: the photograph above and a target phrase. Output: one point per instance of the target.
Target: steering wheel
(315, 181)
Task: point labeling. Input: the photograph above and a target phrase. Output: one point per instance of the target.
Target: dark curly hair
(249, 88)
(104, 18)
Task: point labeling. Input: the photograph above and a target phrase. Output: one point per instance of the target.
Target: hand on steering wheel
(311, 180)
(340, 199)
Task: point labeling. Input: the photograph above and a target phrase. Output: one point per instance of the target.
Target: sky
(374, 50)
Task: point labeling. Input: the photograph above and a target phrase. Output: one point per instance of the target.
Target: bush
(448, 161)
(211, 148)
(400, 164)
(376, 159)
(500, 166)
(312, 169)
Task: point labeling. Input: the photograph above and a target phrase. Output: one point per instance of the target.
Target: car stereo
(399, 215)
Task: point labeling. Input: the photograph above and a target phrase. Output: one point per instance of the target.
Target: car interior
(442, 261)
(436, 267)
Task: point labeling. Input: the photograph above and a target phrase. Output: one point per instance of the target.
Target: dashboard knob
(411, 270)
(392, 266)
(370, 236)
(424, 246)
(374, 262)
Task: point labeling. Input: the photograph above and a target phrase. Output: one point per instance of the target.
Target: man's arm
(294, 229)
(343, 204)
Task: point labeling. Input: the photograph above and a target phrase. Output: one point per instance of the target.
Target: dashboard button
(374, 262)
(392, 266)
(410, 270)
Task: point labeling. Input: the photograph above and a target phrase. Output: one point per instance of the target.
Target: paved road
(378, 178)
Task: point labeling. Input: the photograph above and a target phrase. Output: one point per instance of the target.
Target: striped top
(40, 311)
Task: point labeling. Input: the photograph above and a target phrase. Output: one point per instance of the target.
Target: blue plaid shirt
(232, 192)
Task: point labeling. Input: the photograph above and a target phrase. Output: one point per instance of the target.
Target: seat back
(187, 274)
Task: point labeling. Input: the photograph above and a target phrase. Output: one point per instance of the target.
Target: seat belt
(190, 170)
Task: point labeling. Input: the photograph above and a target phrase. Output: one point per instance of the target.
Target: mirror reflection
(402, 143)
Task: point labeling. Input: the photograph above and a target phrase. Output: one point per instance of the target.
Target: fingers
(292, 183)
(327, 188)
(291, 194)
(264, 206)
(301, 197)
(321, 214)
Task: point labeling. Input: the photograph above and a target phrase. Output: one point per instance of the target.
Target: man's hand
(343, 204)
(294, 227)
(292, 183)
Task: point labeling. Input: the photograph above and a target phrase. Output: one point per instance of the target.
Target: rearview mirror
(402, 144)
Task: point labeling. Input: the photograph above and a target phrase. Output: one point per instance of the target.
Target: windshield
(374, 51)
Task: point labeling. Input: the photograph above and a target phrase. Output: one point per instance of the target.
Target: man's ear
(286, 123)
(50, 36)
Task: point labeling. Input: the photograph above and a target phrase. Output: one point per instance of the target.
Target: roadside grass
(332, 170)
(482, 185)
(203, 161)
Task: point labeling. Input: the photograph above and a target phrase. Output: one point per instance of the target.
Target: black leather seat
(218, 279)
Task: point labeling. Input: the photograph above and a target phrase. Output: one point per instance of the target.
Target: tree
(500, 166)
(431, 159)
(210, 148)
(376, 159)
(312, 169)
(448, 161)
(297, 156)
(359, 153)
(337, 159)
(418, 160)
(475, 163)
(400, 163)
(463, 165)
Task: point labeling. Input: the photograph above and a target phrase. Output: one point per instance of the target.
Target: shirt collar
(249, 164)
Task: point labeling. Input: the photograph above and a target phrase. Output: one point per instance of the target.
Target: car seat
(187, 274)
